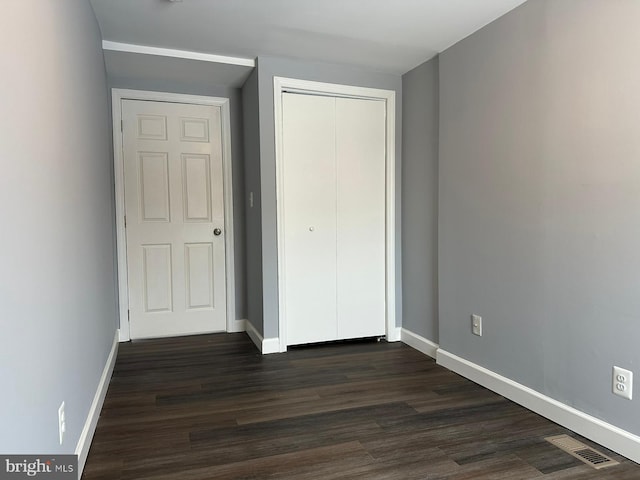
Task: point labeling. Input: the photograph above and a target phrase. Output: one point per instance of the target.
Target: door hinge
(125, 221)
(128, 314)
(122, 125)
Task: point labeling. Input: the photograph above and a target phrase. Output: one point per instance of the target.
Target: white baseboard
(123, 336)
(394, 335)
(265, 345)
(237, 326)
(270, 345)
(84, 442)
(610, 436)
(254, 335)
(419, 343)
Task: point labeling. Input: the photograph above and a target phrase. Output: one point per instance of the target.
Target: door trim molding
(282, 84)
(117, 96)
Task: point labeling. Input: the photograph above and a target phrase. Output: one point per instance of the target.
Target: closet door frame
(282, 85)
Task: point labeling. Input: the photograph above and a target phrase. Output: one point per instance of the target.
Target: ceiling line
(169, 52)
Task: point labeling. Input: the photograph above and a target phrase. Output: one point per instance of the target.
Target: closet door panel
(309, 195)
(360, 151)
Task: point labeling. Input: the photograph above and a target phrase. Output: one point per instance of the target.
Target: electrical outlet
(623, 382)
(62, 423)
(476, 325)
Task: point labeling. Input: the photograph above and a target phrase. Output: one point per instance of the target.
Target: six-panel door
(173, 202)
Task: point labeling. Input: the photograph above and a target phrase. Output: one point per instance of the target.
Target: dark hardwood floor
(212, 407)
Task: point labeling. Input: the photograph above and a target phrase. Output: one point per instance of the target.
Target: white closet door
(309, 195)
(360, 151)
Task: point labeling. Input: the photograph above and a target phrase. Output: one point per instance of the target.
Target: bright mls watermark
(52, 467)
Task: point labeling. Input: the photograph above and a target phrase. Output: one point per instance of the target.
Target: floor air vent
(581, 451)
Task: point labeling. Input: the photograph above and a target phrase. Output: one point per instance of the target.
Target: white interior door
(310, 218)
(333, 217)
(360, 176)
(173, 205)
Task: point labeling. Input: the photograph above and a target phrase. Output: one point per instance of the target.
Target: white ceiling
(386, 35)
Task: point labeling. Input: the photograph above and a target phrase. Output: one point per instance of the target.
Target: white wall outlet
(476, 325)
(623, 382)
(62, 423)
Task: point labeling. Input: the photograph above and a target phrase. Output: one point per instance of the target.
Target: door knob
(217, 232)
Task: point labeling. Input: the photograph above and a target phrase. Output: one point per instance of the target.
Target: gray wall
(268, 67)
(252, 185)
(237, 153)
(420, 200)
(56, 269)
(539, 224)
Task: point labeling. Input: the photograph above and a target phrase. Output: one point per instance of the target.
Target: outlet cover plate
(476, 325)
(62, 422)
(622, 382)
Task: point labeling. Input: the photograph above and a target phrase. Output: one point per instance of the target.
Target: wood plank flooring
(212, 407)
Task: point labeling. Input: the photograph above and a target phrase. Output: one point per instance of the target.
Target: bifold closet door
(309, 195)
(360, 176)
(334, 217)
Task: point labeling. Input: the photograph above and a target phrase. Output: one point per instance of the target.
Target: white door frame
(117, 96)
(281, 85)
